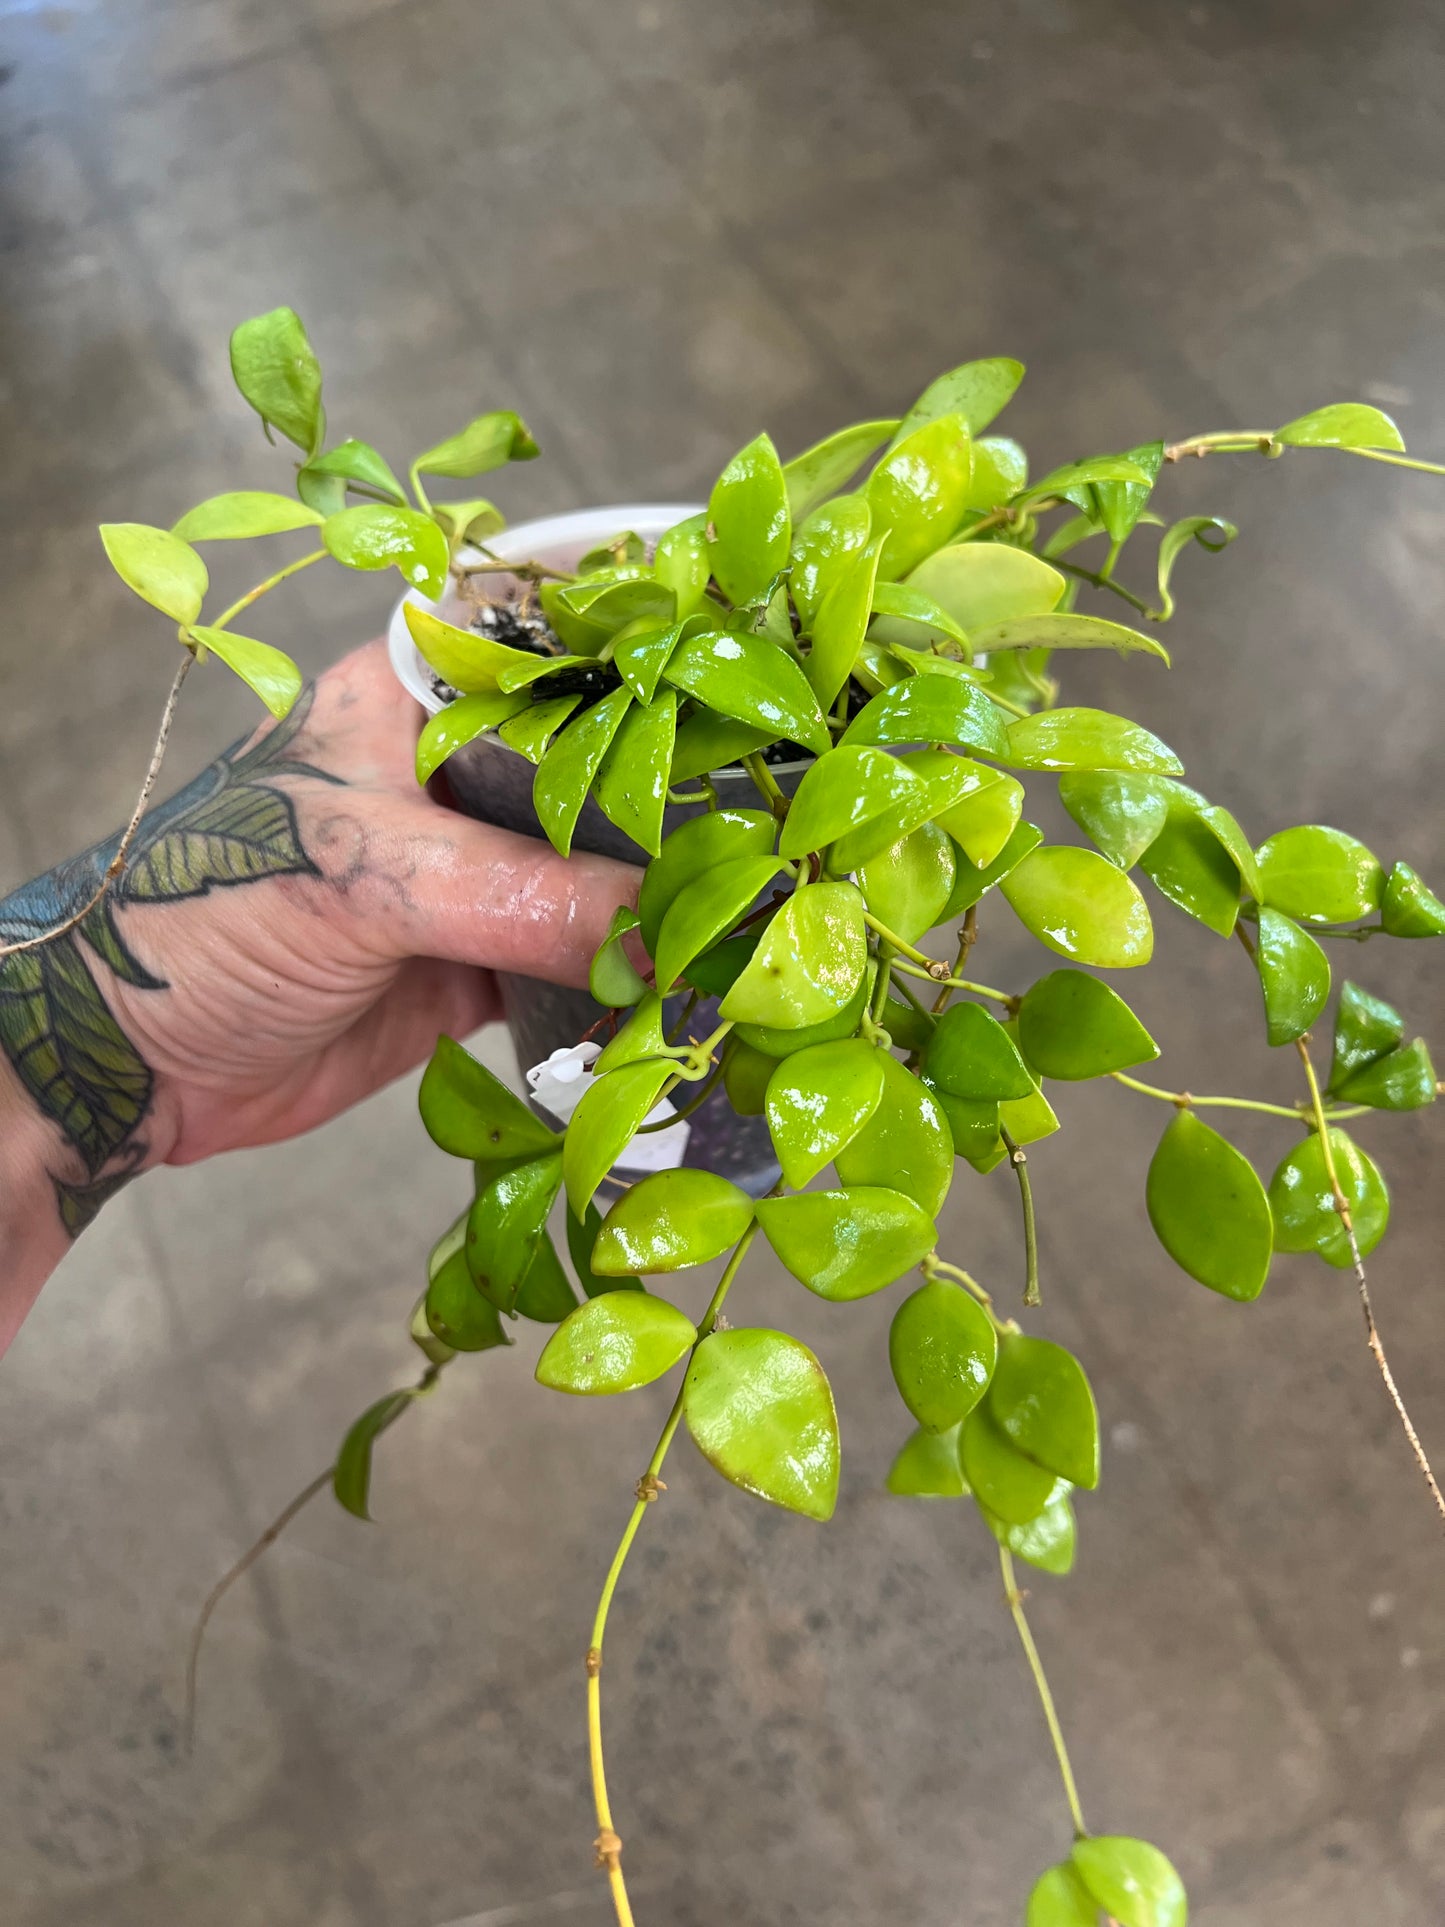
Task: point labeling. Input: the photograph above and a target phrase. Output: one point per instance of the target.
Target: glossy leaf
(506, 1224)
(633, 777)
(1295, 975)
(1062, 631)
(353, 461)
(970, 883)
(979, 390)
(623, 550)
(1001, 1477)
(270, 672)
(749, 529)
(808, 963)
(455, 1311)
(682, 562)
(905, 1144)
(972, 1056)
(470, 1113)
(1027, 1119)
(1131, 1880)
(1211, 532)
(1066, 739)
(1120, 504)
(942, 1349)
(946, 780)
(471, 663)
(669, 1221)
(706, 909)
(1060, 1899)
(695, 849)
(982, 584)
(1000, 470)
(820, 471)
(1402, 1080)
(760, 1410)
(918, 493)
(927, 1467)
(376, 536)
(843, 789)
(931, 709)
(642, 650)
(1079, 904)
(982, 822)
(605, 1123)
(1041, 1400)
(850, 1242)
(1410, 909)
(1209, 1209)
(783, 1040)
(823, 550)
(1302, 1200)
(752, 680)
(470, 521)
(566, 772)
(531, 730)
(817, 1100)
(545, 1294)
(615, 1343)
(351, 1477)
(1319, 875)
(746, 1073)
(484, 444)
(1187, 862)
(907, 886)
(1048, 1540)
(276, 370)
(915, 619)
(612, 977)
(162, 569)
(1366, 1027)
(840, 626)
(461, 723)
(972, 1122)
(244, 512)
(1071, 1026)
(618, 605)
(1344, 424)
(641, 1036)
(707, 742)
(581, 1242)
(1074, 476)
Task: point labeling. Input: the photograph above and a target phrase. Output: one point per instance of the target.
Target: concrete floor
(656, 228)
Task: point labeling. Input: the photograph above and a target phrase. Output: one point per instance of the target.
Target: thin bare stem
(763, 778)
(967, 938)
(1004, 997)
(1186, 1101)
(1015, 1602)
(608, 1843)
(117, 862)
(224, 620)
(932, 1265)
(528, 571)
(1018, 1157)
(1372, 1334)
(1099, 580)
(1395, 461)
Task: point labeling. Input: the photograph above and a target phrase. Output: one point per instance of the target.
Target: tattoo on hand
(231, 825)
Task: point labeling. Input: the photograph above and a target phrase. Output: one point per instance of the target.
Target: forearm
(33, 1238)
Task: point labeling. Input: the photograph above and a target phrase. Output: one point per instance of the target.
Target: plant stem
(1372, 1334)
(1230, 441)
(1395, 461)
(1015, 1601)
(933, 1264)
(609, 1845)
(695, 1103)
(1019, 1159)
(1100, 580)
(763, 777)
(1004, 997)
(930, 966)
(967, 938)
(1186, 1100)
(264, 588)
(122, 849)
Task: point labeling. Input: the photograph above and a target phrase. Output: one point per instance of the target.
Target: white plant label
(559, 1084)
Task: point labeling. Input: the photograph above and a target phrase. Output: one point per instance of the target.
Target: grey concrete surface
(656, 227)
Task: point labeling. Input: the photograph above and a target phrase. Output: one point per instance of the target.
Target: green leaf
(1069, 480)
(471, 663)
(1302, 1200)
(436, 1351)
(1209, 1209)
(972, 1122)
(745, 1077)
(840, 626)
(565, 773)
(618, 605)
(641, 1036)
(470, 1113)
(970, 884)
(1411, 910)
(461, 723)
(1048, 1541)
(1295, 975)
(752, 680)
(705, 910)
(942, 1349)
(817, 1100)
(978, 390)
(374, 536)
(531, 730)
(546, 1293)
(1319, 875)
(931, 709)
(707, 742)
(947, 779)
(1132, 1881)
(1402, 1080)
(918, 494)
(820, 471)
(972, 1056)
(1366, 1027)
(1188, 863)
(669, 1221)
(506, 1224)
(682, 563)
(1041, 1400)
(760, 1410)
(847, 1243)
(276, 370)
(605, 1123)
(1068, 739)
(907, 886)
(1001, 1477)
(641, 651)
(351, 1478)
(1027, 1119)
(1211, 532)
(1120, 504)
(527, 675)
(784, 1040)
(612, 978)
(982, 822)
(581, 1241)
(456, 1312)
(823, 551)
(1077, 903)
(982, 584)
(1071, 1026)
(749, 529)
(353, 461)
(905, 1144)
(1060, 1899)
(632, 780)
(1000, 470)
(844, 788)
(162, 569)
(809, 961)
(485, 443)
(927, 1467)
(615, 1343)
(915, 619)
(244, 512)
(1344, 424)
(1064, 632)
(270, 672)
(697, 848)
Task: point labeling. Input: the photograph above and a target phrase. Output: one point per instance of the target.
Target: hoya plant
(872, 632)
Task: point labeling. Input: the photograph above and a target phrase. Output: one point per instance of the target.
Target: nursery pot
(493, 782)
